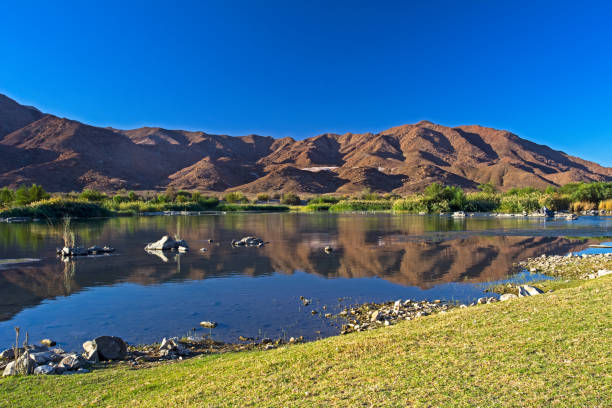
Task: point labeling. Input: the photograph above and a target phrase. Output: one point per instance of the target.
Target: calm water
(255, 292)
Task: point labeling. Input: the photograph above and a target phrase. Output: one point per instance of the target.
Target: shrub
(324, 199)
(291, 199)
(414, 204)
(235, 197)
(487, 188)
(360, 205)
(263, 197)
(578, 206)
(92, 195)
(517, 203)
(7, 196)
(605, 205)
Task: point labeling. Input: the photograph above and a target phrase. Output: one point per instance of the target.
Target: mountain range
(66, 155)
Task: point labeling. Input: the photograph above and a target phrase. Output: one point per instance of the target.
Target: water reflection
(144, 296)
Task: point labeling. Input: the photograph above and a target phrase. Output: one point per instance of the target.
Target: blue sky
(298, 68)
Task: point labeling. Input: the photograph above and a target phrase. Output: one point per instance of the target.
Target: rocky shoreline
(45, 359)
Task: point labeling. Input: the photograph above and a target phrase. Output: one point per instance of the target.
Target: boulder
(9, 354)
(43, 357)
(208, 325)
(24, 364)
(603, 272)
(73, 362)
(44, 370)
(173, 346)
(527, 290)
(9, 369)
(48, 342)
(109, 348)
(166, 243)
(91, 351)
(507, 296)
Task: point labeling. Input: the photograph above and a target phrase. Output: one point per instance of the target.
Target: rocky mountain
(65, 155)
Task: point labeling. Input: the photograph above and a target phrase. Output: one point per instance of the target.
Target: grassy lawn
(549, 350)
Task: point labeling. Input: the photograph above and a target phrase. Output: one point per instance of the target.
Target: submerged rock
(248, 241)
(208, 325)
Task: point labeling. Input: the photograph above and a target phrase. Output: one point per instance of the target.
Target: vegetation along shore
(34, 202)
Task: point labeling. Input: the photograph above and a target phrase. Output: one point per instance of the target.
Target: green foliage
(235, 197)
(324, 199)
(7, 196)
(24, 195)
(360, 205)
(263, 197)
(92, 195)
(58, 208)
(368, 195)
(290, 199)
(487, 188)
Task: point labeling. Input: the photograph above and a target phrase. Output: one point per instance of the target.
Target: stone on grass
(507, 296)
(110, 348)
(527, 290)
(9, 369)
(45, 369)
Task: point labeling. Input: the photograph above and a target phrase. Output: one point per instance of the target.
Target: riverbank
(541, 350)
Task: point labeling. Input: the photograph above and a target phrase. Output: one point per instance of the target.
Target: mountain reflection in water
(407, 251)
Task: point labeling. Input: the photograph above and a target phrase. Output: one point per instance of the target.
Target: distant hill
(66, 155)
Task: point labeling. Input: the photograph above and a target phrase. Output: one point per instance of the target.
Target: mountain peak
(66, 155)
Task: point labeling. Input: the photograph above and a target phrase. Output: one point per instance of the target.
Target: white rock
(603, 272)
(507, 296)
(527, 290)
(9, 369)
(44, 370)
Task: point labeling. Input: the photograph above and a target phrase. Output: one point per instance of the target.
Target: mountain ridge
(66, 155)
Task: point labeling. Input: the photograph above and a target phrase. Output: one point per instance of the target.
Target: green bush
(360, 205)
(92, 195)
(290, 199)
(235, 197)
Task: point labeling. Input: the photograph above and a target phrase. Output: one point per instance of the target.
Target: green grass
(549, 350)
(360, 205)
(58, 208)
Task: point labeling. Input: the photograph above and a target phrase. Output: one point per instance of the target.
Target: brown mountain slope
(65, 155)
(14, 116)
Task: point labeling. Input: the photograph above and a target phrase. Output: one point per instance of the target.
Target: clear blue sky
(298, 68)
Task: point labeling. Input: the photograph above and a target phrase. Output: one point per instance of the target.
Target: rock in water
(208, 325)
(110, 348)
(166, 243)
(48, 342)
(526, 290)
